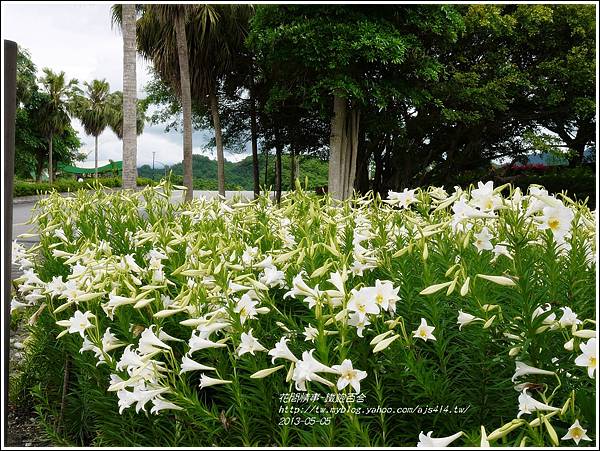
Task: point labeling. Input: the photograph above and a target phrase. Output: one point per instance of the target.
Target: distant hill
(239, 175)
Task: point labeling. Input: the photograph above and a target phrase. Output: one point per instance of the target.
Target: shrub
(315, 322)
(62, 185)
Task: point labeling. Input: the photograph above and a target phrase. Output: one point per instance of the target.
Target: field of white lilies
(432, 317)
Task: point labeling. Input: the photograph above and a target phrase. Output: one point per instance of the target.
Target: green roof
(113, 166)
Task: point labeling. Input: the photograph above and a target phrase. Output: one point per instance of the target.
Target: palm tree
(162, 38)
(128, 120)
(214, 34)
(58, 108)
(94, 111)
(117, 117)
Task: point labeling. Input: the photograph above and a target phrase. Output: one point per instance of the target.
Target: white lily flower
(424, 331)
(246, 307)
(358, 322)
(348, 375)
(272, 277)
(197, 343)
(522, 369)
(310, 333)
(465, 319)
(550, 319)
(281, 351)
(403, 199)
(484, 198)
(110, 341)
(528, 405)
(187, 364)
(362, 303)
(588, 356)
(150, 343)
(569, 317)
(159, 404)
(558, 219)
(206, 381)
(16, 305)
(249, 344)
(482, 240)
(78, 323)
(576, 433)
(427, 441)
(307, 369)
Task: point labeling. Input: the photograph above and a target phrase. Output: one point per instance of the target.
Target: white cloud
(79, 40)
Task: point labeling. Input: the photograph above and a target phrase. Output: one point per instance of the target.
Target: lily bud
(434, 288)
(425, 252)
(551, 431)
(585, 333)
(569, 344)
(489, 322)
(451, 287)
(266, 372)
(514, 351)
(465, 287)
(500, 280)
(290, 372)
(380, 337)
(385, 343)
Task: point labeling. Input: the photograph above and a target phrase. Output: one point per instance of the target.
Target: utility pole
(10, 105)
(153, 154)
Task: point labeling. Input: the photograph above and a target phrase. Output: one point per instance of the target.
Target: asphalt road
(23, 209)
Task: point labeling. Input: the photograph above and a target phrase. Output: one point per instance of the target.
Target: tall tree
(129, 108)
(94, 112)
(57, 108)
(116, 115)
(215, 33)
(358, 47)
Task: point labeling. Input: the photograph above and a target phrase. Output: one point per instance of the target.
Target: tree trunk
(214, 109)
(343, 148)
(129, 98)
(278, 152)
(186, 104)
(335, 145)
(254, 136)
(293, 174)
(39, 167)
(96, 156)
(50, 163)
(266, 166)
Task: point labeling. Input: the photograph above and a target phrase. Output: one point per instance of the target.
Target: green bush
(28, 188)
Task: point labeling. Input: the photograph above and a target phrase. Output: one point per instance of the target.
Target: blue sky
(78, 39)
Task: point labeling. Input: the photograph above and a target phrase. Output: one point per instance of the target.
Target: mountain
(239, 175)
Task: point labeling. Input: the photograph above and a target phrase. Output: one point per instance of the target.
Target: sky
(79, 40)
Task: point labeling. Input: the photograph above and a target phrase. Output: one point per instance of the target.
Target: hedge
(27, 188)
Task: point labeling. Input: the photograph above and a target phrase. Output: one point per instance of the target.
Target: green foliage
(239, 175)
(31, 128)
(62, 185)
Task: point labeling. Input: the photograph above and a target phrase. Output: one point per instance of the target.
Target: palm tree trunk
(186, 103)
(129, 98)
(96, 156)
(50, 164)
(214, 109)
(266, 166)
(278, 152)
(254, 136)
